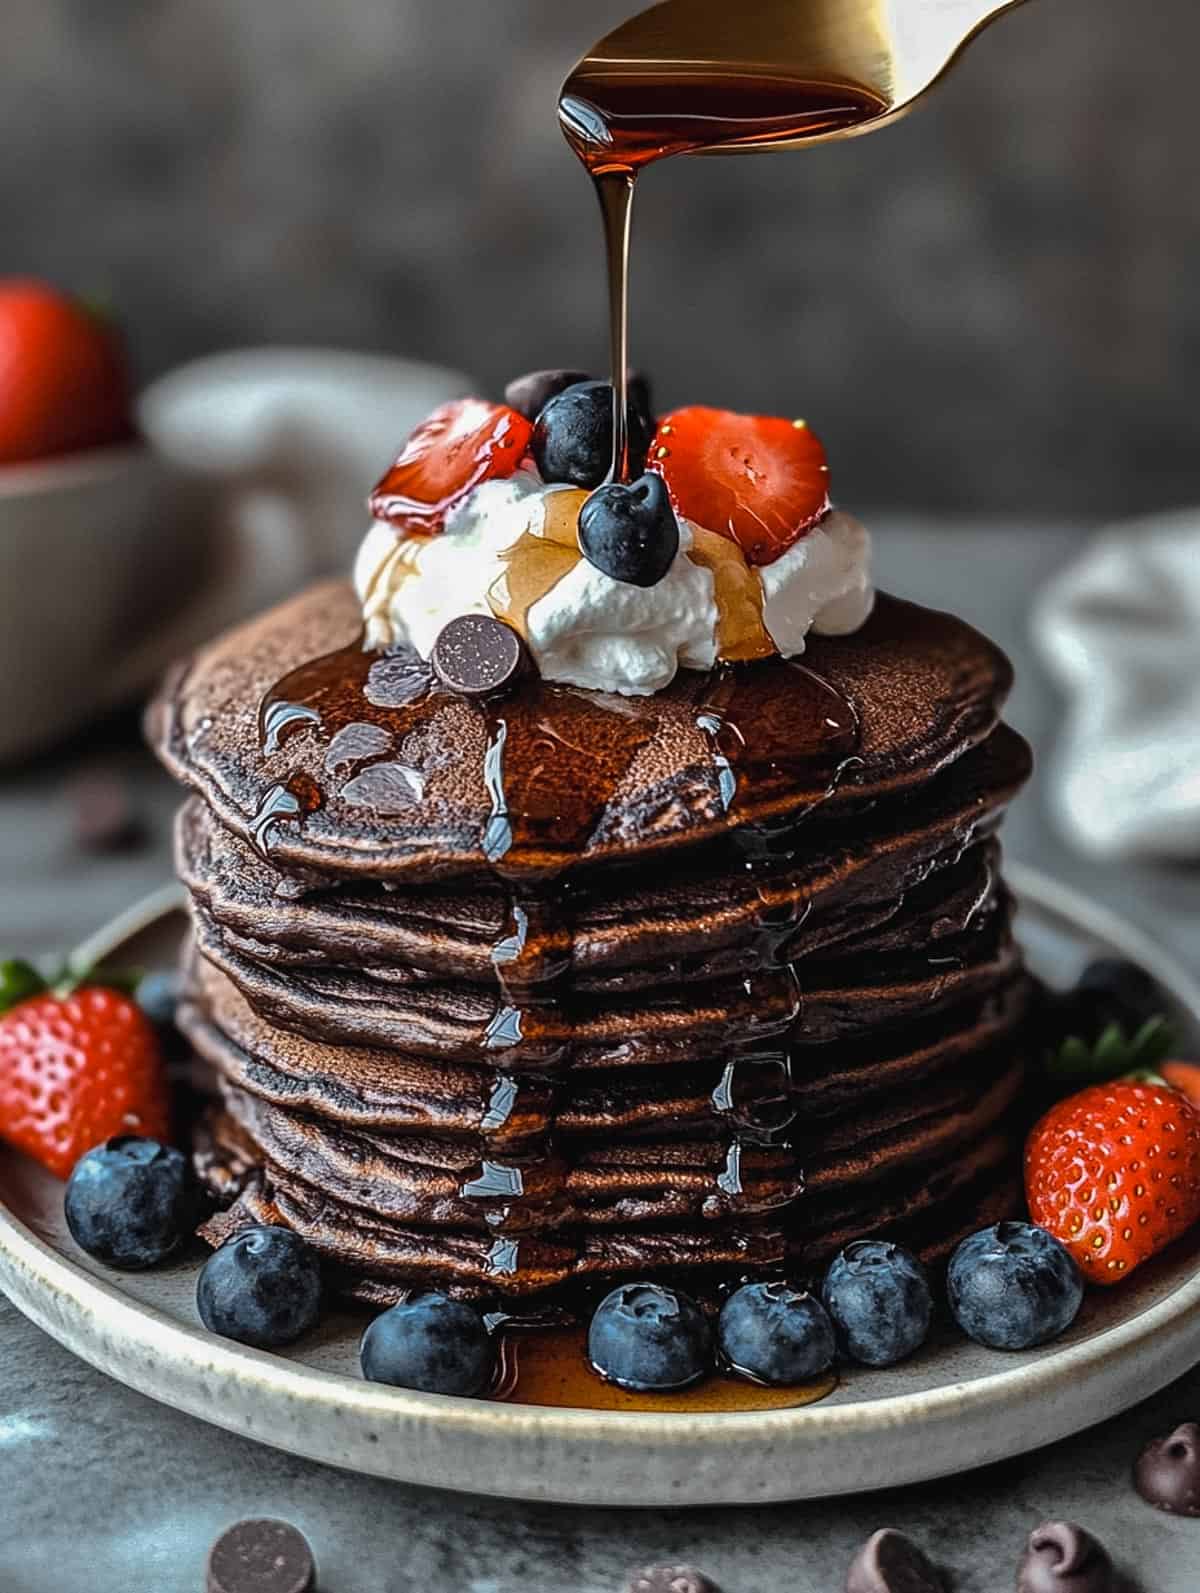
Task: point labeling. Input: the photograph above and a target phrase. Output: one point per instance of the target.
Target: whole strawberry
(78, 1067)
(1114, 1174)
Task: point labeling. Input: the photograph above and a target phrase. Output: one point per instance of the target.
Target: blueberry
(879, 1298)
(130, 1202)
(775, 1334)
(530, 394)
(1113, 991)
(158, 995)
(630, 532)
(651, 1339)
(573, 441)
(1013, 1286)
(262, 1287)
(430, 1342)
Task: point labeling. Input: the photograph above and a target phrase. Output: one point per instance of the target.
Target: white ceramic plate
(953, 1406)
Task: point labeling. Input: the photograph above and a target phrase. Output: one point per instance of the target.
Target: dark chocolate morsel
(889, 1562)
(1167, 1472)
(1063, 1558)
(530, 394)
(261, 1557)
(670, 1579)
(477, 656)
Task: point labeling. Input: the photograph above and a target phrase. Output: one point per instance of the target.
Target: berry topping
(1114, 1173)
(1013, 1286)
(1167, 1472)
(431, 1343)
(890, 1562)
(131, 1202)
(1184, 1077)
(63, 381)
(1063, 1558)
(630, 532)
(650, 1339)
(761, 481)
(76, 1069)
(530, 394)
(462, 444)
(879, 1298)
(775, 1334)
(262, 1287)
(478, 656)
(573, 438)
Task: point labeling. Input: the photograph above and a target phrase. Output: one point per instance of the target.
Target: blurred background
(988, 311)
(989, 308)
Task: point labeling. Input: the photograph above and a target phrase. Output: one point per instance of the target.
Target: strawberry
(761, 481)
(77, 1068)
(63, 380)
(462, 444)
(1184, 1077)
(1114, 1174)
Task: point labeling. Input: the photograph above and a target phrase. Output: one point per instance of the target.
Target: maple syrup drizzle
(551, 774)
(549, 1366)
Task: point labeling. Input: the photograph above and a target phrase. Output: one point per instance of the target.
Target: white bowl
(96, 549)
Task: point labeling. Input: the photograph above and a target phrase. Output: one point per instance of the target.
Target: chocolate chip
(670, 1579)
(888, 1562)
(530, 394)
(1167, 1473)
(478, 656)
(1063, 1558)
(261, 1557)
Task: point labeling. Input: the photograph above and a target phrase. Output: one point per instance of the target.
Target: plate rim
(68, 1302)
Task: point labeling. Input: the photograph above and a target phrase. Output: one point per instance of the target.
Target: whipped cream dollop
(508, 549)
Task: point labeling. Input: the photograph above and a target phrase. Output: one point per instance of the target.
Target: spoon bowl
(872, 58)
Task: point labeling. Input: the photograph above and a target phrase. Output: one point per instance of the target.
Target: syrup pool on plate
(549, 1366)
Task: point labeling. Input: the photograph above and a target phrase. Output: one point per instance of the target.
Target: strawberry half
(757, 479)
(1114, 1174)
(462, 444)
(77, 1069)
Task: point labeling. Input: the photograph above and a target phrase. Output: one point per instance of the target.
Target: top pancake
(382, 775)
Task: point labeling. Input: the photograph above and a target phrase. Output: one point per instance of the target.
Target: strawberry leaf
(18, 981)
(1113, 1054)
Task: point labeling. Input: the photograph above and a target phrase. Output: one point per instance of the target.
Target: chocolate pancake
(267, 724)
(379, 1089)
(524, 997)
(701, 916)
(673, 1025)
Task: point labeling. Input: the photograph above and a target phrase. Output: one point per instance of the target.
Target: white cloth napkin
(1120, 631)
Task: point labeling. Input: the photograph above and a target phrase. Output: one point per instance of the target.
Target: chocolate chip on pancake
(478, 656)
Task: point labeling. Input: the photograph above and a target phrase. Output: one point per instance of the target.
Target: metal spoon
(894, 50)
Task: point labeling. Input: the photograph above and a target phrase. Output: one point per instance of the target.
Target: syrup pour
(661, 92)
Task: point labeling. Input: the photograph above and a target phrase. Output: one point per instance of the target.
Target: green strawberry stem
(1112, 1055)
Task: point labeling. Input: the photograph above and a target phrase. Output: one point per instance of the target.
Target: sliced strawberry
(759, 480)
(461, 444)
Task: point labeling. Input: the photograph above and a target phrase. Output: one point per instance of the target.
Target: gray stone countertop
(102, 1490)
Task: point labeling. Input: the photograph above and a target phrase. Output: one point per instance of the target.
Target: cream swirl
(509, 549)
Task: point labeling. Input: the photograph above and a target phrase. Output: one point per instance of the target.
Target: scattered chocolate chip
(1167, 1473)
(889, 1562)
(670, 1579)
(530, 394)
(1063, 1558)
(478, 656)
(104, 814)
(261, 1557)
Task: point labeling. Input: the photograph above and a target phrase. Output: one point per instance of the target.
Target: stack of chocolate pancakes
(560, 989)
